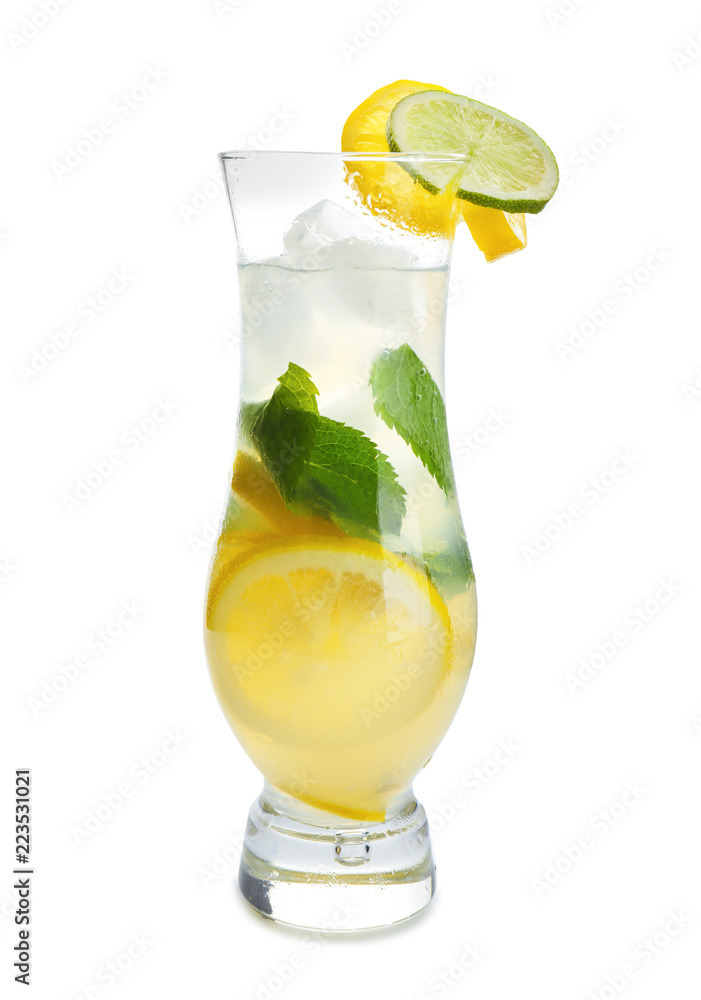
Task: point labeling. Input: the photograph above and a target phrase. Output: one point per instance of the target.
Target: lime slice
(388, 191)
(508, 166)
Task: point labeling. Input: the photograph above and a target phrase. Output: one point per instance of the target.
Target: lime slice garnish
(508, 166)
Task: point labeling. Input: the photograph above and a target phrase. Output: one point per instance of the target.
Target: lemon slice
(252, 484)
(233, 543)
(364, 131)
(309, 632)
(384, 188)
(496, 233)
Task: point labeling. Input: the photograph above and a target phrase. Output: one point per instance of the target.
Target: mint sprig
(323, 466)
(410, 402)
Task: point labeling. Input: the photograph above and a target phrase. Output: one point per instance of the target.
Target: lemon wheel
(318, 639)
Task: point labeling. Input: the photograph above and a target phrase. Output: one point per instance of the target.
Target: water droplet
(288, 410)
(418, 395)
(422, 371)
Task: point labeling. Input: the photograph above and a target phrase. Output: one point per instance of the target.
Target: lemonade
(340, 654)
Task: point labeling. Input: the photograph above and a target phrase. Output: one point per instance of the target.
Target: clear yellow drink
(338, 664)
(340, 634)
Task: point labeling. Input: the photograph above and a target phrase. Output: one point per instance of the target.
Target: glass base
(311, 869)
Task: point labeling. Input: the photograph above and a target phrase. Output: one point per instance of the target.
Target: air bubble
(352, 849)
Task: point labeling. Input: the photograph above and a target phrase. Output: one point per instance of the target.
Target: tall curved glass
(341, 609)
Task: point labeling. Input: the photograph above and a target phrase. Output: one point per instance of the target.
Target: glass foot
(330, 873)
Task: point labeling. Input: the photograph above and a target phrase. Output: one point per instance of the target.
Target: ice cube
(322, 224)
(328, 235)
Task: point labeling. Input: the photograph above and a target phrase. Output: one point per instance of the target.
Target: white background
(144, 534)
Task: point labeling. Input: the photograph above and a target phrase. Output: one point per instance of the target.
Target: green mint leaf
(283, 429)
(450, 568)
(320, 465)
(409, 401)
(348, 480)
(297, 390)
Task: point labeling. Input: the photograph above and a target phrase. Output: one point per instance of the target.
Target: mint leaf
(320, 465)
(296, 389)
(348, 480)
(409, 401)
(450, 568)
(283, 429)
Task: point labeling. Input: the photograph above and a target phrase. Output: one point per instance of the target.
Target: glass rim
(415, 156)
